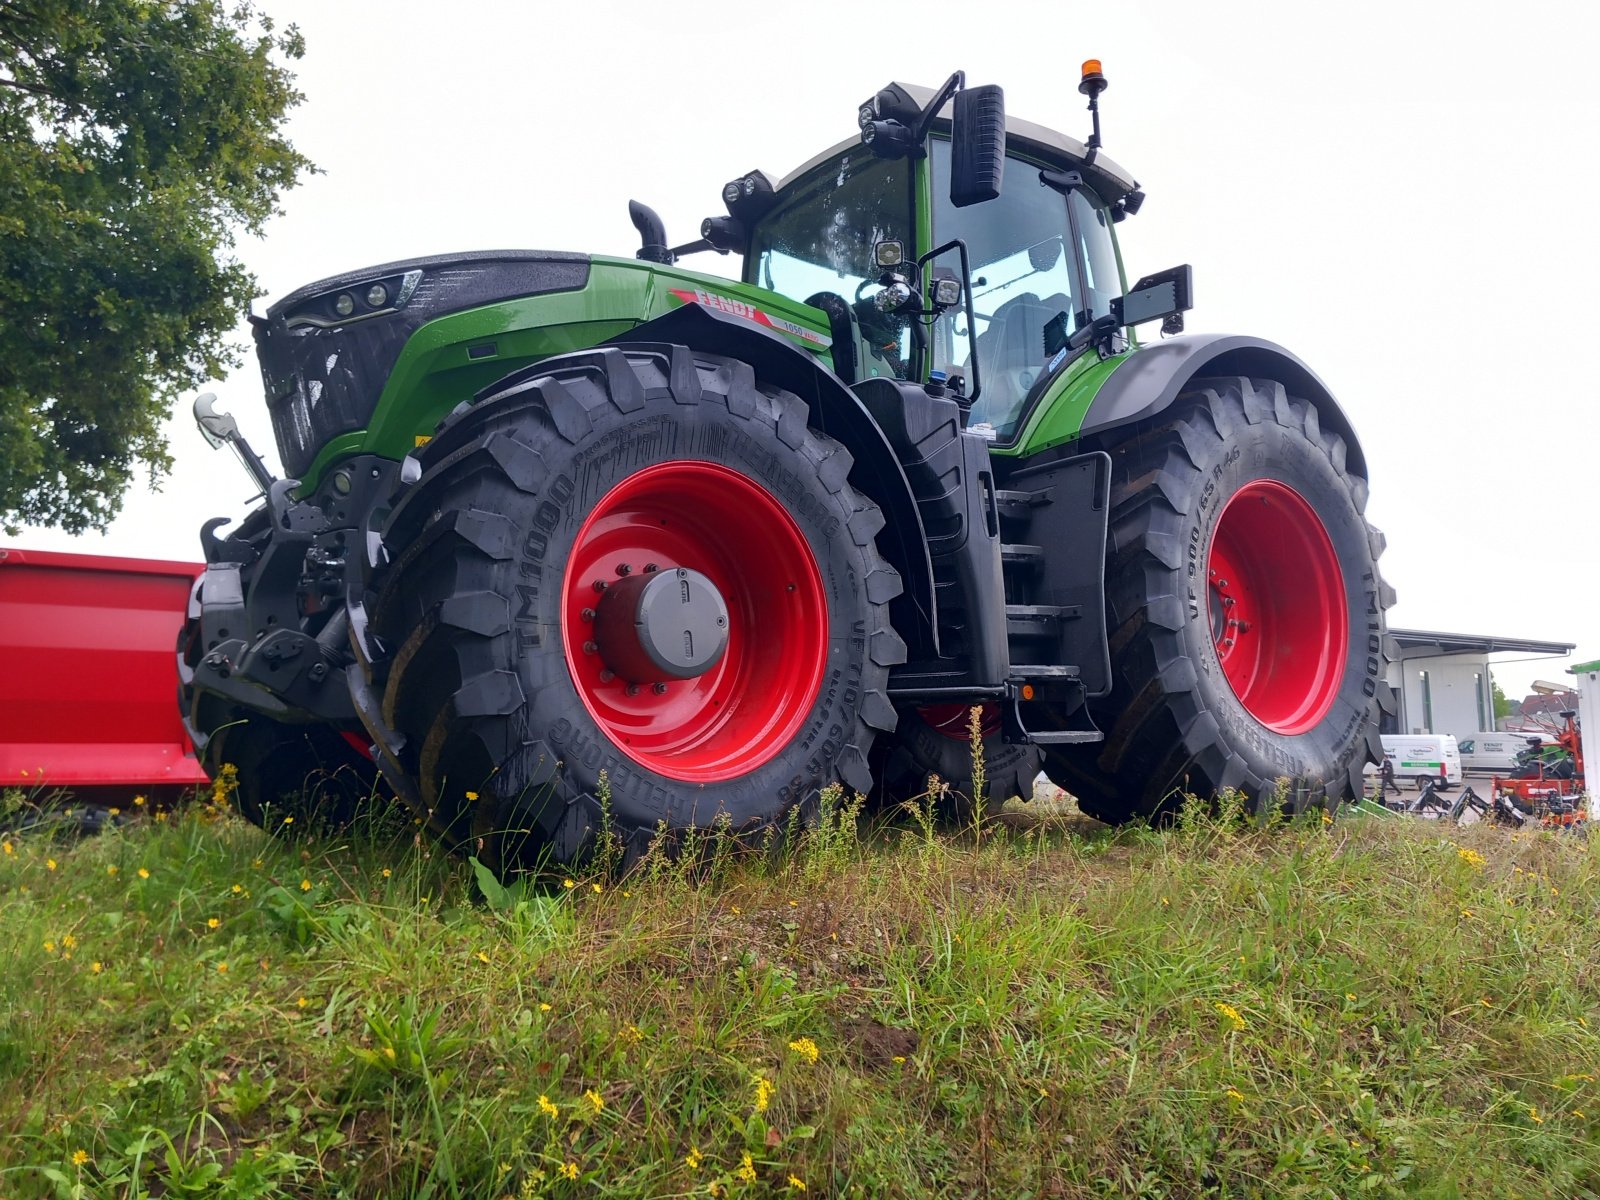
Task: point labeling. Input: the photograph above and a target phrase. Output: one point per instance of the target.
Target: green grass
(1373, 1007)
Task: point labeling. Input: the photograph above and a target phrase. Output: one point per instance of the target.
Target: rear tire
(935, 740)
(507, 676)
(1239, 481)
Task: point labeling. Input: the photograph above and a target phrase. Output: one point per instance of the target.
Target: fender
(1151, 378)
(836, 411)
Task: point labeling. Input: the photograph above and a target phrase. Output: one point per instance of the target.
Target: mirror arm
(960, 247)
(919, 135)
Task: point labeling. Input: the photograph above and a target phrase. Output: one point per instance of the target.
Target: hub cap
(694, 621)
(1277, 607)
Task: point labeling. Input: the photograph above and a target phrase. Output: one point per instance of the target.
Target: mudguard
(1151, 379)
(836, 411)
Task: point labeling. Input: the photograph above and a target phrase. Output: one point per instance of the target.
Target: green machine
(574, 541)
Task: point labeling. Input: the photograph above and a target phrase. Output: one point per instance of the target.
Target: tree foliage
(137, 137)
(1502, 703)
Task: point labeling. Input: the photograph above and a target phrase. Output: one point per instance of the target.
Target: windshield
(1030, 264)
(820, 238)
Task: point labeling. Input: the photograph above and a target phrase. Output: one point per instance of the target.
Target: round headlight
(377, 295)
(345, 304)
(749, 185)
(730, 192)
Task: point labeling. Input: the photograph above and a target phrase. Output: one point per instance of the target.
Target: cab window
(819, 241)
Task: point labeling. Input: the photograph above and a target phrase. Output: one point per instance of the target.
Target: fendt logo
(749, 312)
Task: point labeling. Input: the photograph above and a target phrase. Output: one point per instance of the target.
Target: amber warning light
(1093, 82)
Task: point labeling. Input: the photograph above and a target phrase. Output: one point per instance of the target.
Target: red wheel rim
(747, 707)
(1277, 604)
(952, 720)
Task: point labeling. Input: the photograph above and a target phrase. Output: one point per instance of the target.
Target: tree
(136, 138)
(1502, 705)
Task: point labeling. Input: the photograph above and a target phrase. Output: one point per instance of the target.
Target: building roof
(1430, 643)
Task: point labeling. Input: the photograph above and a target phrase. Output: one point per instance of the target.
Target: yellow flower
(630, 1033)
(1467, 912)
(1231, 1014)
(735, 910)
(301, 1002)
(747, 1168)
(596, 888)
(288, 820)
(471, 796)
(115, 812)
(596, 1099)
(568, 884)
(79, 1157)
(95, 967)
(237, 888)
(806, 1049)
(49, 864)
(69, 941)
(1533, 1115)
(112, 870)
(49, 947)
(1234, 1093)
(797, 1183)
(569, 1170)
(222, 967)
(899, 1058)
(544, 1007)
(715, 1189)
(161, 814)
(8, 847)
(305, 885)
(548, 1107)
(692, 1159)
(1471, 857)
(143, 874)
(386, 872)
(764, 1090)
(138, 801)
(213, 922)
(1350, 996)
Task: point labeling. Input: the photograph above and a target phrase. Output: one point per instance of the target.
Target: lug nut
(659, 689)
(599, 585)
(607, 675)
(624, 569)
(1226, 642)
(651, 568)
(590, 647)
(633, 689)
(587, 614)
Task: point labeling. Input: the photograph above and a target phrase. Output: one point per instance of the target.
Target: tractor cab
(928, 260)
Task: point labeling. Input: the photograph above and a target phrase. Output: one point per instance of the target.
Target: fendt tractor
(574, 542)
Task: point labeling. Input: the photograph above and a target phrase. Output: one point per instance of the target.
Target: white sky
(1399, 193)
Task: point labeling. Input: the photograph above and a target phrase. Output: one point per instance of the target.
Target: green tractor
(577, 542)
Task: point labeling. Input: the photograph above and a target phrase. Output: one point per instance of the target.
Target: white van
(1491, 750)
(1421, 759)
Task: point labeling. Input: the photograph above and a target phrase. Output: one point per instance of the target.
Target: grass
(1368, 1007)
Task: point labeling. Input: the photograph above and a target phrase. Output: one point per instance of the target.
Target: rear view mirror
(977, 145)
(1156, 297)
(216, 427)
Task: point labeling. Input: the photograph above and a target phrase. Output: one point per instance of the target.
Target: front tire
(1246, 612)
(613, 482)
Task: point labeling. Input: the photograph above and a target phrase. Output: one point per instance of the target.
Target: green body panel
(1058, 416)
(434, 372)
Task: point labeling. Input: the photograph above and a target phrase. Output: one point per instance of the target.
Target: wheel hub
(662, 625)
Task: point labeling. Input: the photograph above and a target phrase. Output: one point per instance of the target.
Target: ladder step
(1023, 673)
(1034, 620)
(1015, 506)
(1021, 554)
(1059, 737)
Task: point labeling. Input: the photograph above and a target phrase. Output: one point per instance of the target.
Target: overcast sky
(1398, 193)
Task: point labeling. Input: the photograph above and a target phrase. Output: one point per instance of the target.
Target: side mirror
(1161, 296)
(977, 145)
(216, 427)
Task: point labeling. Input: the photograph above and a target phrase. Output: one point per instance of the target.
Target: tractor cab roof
(1106, 176)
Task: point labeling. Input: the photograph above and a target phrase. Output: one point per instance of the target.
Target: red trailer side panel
(88, 681)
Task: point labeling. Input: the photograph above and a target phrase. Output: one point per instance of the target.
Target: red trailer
(88, 681)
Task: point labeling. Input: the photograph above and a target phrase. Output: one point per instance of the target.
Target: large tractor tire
(1245, 610)
(631, 579)
(936, 739)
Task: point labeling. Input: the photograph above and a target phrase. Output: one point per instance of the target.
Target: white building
(1443, 680)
